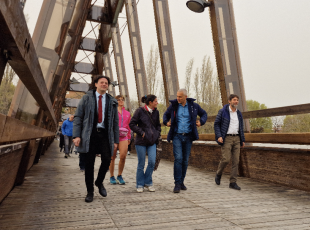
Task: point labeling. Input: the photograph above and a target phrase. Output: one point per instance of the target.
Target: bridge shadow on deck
(52, 197)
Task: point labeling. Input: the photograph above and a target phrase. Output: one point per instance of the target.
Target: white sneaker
(150, 188)
(139, 189)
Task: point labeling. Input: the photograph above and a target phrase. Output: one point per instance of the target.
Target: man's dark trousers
(99, 144)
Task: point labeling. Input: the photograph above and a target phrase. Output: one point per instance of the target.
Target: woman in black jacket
(145, 123)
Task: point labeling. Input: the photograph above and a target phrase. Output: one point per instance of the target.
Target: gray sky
(273, 39)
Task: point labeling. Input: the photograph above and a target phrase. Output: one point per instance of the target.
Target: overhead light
(197, 6)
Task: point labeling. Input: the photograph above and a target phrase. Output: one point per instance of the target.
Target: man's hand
(169, 123)
(143, 135)
(115, 146)
(243, 144)
(128, 142)
(220, 139)
(77, 141)
(198, 124)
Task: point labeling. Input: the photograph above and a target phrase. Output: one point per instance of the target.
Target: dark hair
(147, 98)
(120, 96)
(96, 79)
(231, 96)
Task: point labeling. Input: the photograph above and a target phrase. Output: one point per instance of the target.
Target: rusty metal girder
(70, 50)
(23, 58)
(112, 8)
(3, 62)
(99, 66)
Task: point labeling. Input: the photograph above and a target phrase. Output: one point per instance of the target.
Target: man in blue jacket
(228, 128)
(183, 131)
(66, 128)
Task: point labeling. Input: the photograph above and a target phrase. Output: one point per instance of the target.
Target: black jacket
(141, 123)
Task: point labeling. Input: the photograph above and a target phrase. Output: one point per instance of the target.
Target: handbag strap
(122, 119)
(150, 117)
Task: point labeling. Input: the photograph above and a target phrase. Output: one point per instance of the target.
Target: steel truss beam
(166, 49)
(120, 66)
(108, 72)
(67, 62)
(136, 48)
(16, 39)
(227, 52)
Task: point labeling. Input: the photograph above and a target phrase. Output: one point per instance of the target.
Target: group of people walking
(101, 125)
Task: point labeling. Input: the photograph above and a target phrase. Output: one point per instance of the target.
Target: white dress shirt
(103, 100)
(234, 122)
(150, 110)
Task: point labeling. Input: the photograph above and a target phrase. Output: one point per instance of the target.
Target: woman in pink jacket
(124, 140)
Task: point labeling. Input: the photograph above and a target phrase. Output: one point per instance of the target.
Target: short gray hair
(184, 91)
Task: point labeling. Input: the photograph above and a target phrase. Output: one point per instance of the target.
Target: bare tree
(7, 89)
(196, 85)
(277, 123)
(152, 67)
(188, 75)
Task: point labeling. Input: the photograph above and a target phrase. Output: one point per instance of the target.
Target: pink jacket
(126, 120)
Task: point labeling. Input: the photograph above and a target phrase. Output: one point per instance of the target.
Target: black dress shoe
(183, 187)
(89, 198)
(234, 186)
(218, 179)
(102, 190)
(177, 188)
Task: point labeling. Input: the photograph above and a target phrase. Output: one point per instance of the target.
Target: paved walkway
(52, 197)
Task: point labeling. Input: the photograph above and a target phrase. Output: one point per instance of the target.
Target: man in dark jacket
(66, 128)
(228, 128)
(183, 131)
(96, 131)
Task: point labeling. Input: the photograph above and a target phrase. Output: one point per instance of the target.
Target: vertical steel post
(3, 62)
(227, 52)
(136, 48)
(166, 49)
(120, 65)
(108, 72)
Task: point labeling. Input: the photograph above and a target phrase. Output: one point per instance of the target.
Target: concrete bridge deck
(52, 197)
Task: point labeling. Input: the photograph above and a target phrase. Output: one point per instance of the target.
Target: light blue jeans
(145, 178)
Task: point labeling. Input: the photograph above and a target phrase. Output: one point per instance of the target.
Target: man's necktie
(100, 109)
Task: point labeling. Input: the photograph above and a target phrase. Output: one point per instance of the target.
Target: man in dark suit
(96, 131)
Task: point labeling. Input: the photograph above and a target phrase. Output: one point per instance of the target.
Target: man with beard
(228, 128)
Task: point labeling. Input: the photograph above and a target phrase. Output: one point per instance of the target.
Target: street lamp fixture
(197, 6)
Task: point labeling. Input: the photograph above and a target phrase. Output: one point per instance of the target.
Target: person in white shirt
(228, 128)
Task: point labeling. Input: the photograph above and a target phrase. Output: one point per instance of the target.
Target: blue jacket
(193, 108)
(222, 122)
(67, 127)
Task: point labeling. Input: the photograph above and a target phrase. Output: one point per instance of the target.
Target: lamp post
(226, 48)
(197, 6)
